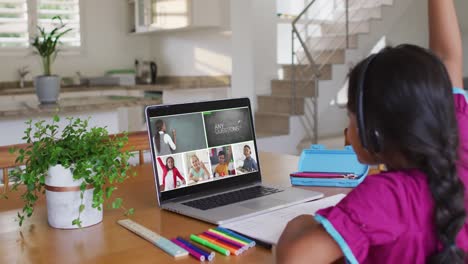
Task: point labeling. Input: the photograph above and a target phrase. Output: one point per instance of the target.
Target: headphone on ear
(371, 138)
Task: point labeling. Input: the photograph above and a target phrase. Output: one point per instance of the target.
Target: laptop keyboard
(231, 197)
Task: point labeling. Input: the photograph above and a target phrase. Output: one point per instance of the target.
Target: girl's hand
(192, 177)
(445, 38)
(296, 227)
(305, 241)
(173, 132)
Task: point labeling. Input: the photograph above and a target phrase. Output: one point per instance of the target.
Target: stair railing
(315, 74)
(307, 66)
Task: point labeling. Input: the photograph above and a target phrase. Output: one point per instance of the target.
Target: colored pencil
(233, 250)
(226, 240)
(229, 237)
(192, 252)
(210, 245)
(227, 231)
(208, 255)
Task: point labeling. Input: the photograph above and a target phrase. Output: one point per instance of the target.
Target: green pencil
(205, 243)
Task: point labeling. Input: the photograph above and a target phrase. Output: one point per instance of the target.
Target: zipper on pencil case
(324, 175)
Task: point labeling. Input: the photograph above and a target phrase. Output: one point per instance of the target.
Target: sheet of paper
(269, 226)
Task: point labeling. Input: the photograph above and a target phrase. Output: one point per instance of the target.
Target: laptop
(206, 165)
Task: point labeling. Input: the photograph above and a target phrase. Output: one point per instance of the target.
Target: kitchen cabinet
(166, 15)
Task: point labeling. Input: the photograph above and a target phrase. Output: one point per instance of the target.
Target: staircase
(328, 31)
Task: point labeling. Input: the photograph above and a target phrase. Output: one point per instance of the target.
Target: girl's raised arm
(445, 39)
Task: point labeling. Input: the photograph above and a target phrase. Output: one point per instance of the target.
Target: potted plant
(77, 169)
(46, 45)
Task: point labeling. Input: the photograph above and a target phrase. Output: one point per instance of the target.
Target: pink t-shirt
(388, 218)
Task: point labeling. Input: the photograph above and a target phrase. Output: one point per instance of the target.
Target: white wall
(465, 55)
(244, 47)
(253, 25)
(462, 7)
(106, 44)
(265, 45)
(192, 52)
(243, 78)
(195, 52)
(413, 27)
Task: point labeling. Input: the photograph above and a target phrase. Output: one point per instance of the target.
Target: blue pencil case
(319, 166)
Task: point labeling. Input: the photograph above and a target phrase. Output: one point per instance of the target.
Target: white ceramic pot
(47, 88)
(63, 200)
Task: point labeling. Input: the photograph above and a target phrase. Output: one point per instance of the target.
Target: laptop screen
(201, 147)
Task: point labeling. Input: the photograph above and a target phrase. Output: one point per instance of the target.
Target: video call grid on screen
(200, 139)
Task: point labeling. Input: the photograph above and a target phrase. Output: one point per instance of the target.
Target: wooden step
(329, 56)
(322, 57)
(280, 104)
(285, 88)
(363, 3)
(339, 28)
(354, 15)
(357, 14)
(306, 72)
(271, 123)
(332, 42)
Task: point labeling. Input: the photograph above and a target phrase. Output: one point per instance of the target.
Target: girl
(170, 174)
(163, 142)
(402, 113)
(198, 171)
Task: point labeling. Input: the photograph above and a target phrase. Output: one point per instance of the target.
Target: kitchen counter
(118, 108)
(165, 83)
(67, 89)
(66, 106)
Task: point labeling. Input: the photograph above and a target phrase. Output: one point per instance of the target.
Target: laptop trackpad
(262, 204)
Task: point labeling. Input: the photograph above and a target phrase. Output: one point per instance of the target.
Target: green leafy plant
(46, 43)
(94, 156)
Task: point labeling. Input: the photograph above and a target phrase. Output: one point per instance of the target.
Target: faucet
(22, 73)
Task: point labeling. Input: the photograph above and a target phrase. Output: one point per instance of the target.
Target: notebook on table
(206, 165)
(268, 227)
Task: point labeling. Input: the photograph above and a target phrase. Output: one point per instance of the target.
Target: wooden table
(108, 242)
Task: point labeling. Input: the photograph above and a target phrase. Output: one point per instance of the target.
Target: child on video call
(222, 169)
(164, 143)
(249, 163)
(170, 174)
(417, 126)
(198, 170)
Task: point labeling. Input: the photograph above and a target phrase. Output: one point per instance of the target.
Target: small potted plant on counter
(46, 45)
(77, 169)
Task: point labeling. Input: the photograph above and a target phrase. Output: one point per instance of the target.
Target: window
(13, 23)
(68, 10)
(16, 32)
